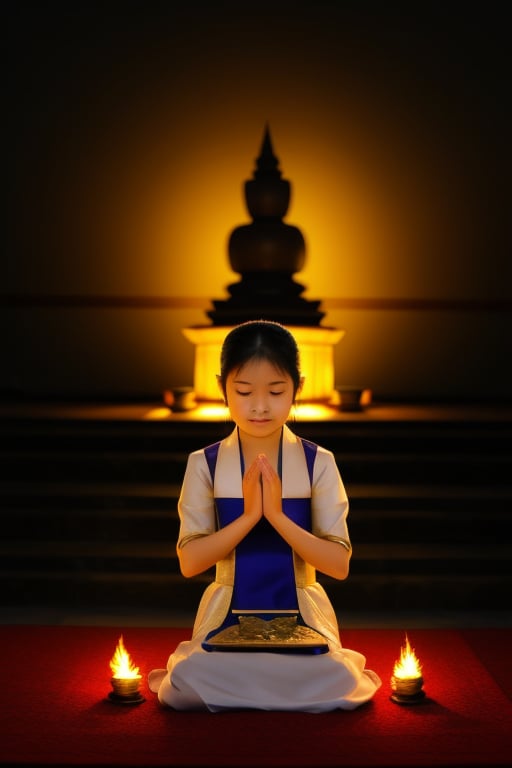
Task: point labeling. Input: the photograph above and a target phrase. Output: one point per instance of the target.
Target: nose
(259, 406)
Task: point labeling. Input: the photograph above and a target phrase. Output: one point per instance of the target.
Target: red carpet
(55, 709)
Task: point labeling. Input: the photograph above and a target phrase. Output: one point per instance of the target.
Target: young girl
(268, 509)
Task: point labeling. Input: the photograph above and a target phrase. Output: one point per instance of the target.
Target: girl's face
(259, 397)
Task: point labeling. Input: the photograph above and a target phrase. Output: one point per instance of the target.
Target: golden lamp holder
(407, 690)
(126, 691)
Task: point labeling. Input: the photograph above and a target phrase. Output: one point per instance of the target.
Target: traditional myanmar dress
(263, 580)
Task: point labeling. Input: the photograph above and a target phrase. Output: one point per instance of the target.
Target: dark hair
(260, 340)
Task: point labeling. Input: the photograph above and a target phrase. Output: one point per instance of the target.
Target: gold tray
(254, 633)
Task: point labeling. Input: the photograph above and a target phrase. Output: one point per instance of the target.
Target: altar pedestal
(316, 347)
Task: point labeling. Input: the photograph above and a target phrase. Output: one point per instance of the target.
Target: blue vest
(264, 582)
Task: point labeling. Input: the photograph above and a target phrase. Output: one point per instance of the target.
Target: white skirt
(219, 680)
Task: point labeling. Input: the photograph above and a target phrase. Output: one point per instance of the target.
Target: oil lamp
(180, 399)
(125, 678)
(407, 680)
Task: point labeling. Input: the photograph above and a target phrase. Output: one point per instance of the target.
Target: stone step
(475, 468)
(445, 523)
(89, 510)
(388, 512)
(160, 557)
(168, 493)
(110, 592)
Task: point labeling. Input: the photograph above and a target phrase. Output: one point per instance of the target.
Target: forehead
(258, 370)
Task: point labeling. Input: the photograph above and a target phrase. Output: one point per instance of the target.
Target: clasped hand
(262, 490)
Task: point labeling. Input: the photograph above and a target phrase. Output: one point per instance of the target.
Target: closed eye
(246, 394)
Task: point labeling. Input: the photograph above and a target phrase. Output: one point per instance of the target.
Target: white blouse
(329, 510)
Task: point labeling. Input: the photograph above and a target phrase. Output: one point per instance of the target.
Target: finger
(254, 470)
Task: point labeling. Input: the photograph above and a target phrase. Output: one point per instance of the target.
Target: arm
(329, 557)
(201, 551)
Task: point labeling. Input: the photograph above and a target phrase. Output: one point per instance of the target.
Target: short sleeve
(196, 507)
(329, 500)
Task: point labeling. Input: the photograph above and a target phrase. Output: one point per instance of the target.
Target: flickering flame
(121, 664)
(408, 665)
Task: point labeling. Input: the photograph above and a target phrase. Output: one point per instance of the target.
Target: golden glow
(407, 666)
(217, 411)
(361, 215)
(121, 664)
(311, 412)
(316, 346)
(300, 412)
(211, 412)
(157, 414)
(366, 397)
(352, 209)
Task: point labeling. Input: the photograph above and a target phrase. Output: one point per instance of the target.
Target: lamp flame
(407, 666)
(121, 664)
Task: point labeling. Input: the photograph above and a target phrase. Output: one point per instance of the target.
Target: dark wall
(132, 126)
